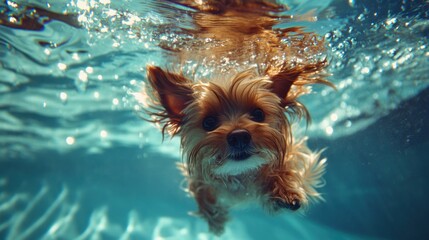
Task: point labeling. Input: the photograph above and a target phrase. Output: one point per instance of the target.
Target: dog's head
(229, 126)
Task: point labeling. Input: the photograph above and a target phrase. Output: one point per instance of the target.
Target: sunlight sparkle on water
(75, 56)
(13, 20)
(89, 70)
(391, 21)
(131, 20)
(63, 96)
(96, 95)
(12, 4)
(329, 131)
(82, 81)
(70, 140)
(137, 107)
(83, 4)
(62, 66)
(83, 76)
(103, 133)
(111, 13)
(365, 70)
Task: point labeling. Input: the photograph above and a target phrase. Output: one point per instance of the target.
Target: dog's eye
(257, 115)
(210, 123)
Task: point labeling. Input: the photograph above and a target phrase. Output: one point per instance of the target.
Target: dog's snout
(239, 139)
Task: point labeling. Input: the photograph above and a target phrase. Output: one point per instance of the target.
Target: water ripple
(378, 59)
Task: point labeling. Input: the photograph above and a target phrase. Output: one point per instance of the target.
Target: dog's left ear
(283, 78)
(173, 90)
(282, 82)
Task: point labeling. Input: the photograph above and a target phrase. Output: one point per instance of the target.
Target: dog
(235, 124)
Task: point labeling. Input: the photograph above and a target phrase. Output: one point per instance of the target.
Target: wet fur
(284, 172)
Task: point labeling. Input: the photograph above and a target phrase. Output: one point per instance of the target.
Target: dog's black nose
(239, 139)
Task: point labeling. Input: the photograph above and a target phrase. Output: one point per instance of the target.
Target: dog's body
(234, 128)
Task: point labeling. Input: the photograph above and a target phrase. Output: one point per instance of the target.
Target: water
(77, 162)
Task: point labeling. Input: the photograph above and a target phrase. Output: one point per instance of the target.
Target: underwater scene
(77, 160)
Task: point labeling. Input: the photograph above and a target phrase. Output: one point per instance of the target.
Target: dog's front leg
(283, 189)
(209, 207)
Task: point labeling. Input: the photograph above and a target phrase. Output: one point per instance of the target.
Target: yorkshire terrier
(235, 126)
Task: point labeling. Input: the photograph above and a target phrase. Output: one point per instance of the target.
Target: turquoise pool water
(77, 162)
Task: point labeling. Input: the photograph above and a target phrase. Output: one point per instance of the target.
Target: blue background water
(76, 162)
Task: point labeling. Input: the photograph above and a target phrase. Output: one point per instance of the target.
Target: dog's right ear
(174, 92)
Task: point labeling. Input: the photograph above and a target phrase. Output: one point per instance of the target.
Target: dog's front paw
(285, 191)
(293, 205)
(286, 200)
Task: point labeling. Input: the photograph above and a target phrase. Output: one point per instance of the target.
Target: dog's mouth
(239, 156)
(239, 162)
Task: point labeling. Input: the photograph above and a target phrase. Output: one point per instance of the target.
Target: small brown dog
(235, 128)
